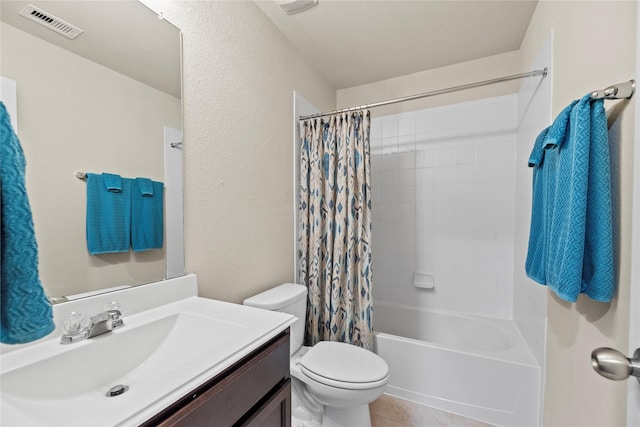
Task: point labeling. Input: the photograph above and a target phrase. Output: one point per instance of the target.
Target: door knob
(612, 364)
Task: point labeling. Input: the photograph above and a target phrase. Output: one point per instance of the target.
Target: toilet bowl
(333, 382)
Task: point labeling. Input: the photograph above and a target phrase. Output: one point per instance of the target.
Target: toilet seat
(345, 366)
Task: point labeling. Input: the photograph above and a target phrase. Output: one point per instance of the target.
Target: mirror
(107, 101)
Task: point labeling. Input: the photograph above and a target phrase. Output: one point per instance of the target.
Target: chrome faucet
(78, 327)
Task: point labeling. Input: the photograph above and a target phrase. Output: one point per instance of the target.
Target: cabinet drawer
(232, 395)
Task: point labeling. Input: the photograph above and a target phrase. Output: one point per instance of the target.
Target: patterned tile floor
(390, 411)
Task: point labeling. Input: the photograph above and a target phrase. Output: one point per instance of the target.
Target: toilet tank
(289, 298)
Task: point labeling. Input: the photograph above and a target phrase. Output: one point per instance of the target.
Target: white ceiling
(354, 42)
(124, 35)
(349, 42)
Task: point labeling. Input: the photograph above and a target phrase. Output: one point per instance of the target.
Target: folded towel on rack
(538, 237)
(598, 271)
(570, 243)
(25, 311)
(147, 215)
(537, 251)
(112, 182)
(145, 187)
(108, 220)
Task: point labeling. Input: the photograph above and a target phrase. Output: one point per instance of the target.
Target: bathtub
(469, 365)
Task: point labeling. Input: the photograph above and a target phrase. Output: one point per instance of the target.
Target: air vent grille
(51, 22)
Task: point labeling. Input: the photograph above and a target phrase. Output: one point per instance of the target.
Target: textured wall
(239, 76)
(588, 57)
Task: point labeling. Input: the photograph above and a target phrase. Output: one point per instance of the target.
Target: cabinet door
(238, 394)
(275, 412)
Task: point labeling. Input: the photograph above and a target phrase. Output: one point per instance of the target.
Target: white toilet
(333, 383)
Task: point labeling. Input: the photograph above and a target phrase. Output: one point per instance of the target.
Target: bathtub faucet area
(78, 327)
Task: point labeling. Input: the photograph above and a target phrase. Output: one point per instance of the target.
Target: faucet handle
(75, 327)
(114, 312)
(75, 322)
(113, 305)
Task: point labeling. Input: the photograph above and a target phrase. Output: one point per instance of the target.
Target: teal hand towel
(25, 312)
(147, 215)
(145, 187)
(112, 182)
(571, 238)
(108, 223)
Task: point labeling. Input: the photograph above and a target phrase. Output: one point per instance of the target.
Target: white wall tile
(443, 193)
(425, 176)
(389, 195)
(407, 125)
(406, 143)
(390, 127)
(390, 161)
(376, 162)
(407, 177)
(389, 145)
(425, 158)
(448, 187)
(466, 154)
(445, 156)
(466, 174)
(444, 118)
(389, 178)
(425, 194)
(407, 160)
(376, 128)
(445, 175)
(424, 122)
(407, 194)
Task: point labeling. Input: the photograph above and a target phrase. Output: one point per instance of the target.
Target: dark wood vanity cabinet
(256, 392)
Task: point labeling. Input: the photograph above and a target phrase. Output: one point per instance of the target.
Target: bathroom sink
(159, 356)
(127, 356)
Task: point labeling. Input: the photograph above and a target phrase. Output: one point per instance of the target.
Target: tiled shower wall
(443, 191)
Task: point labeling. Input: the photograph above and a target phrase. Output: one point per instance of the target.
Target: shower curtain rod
(534, 73)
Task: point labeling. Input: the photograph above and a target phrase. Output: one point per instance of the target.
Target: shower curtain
(335, 228)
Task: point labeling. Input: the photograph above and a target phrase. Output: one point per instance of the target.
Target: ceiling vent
(291, 7)
(51, 22)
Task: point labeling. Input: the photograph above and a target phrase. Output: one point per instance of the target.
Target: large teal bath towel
(25, 312)
(147, 215)
(108, 213)
(571, 238)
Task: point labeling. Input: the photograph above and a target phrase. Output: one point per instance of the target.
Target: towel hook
(618, 91)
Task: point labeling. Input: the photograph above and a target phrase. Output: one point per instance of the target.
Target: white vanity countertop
(161, 353)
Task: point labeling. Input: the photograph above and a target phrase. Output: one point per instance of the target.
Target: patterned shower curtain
(335, 228)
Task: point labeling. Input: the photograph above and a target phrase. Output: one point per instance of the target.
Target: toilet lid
(329, 362)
